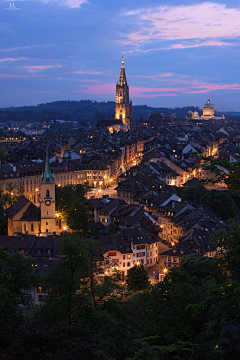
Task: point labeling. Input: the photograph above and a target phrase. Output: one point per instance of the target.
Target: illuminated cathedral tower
(123, 108)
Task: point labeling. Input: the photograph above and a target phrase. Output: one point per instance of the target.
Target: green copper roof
(47, 177)
(208, 105)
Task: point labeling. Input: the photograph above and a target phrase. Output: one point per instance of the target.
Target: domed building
(195, 114)
(189, 114)
(192, 115)
(208, 111)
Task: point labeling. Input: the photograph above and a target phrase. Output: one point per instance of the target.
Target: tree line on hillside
(192, 314)
(85, 111)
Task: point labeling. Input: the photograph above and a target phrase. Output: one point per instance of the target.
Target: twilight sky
(177, 52)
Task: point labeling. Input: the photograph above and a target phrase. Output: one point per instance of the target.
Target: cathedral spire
(47, 176)
(122, 79)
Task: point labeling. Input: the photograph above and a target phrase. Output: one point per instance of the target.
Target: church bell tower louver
(123, 108)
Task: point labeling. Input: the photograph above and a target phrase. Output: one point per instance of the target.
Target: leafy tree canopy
(16, 281)
(137, 278)
(221, 203)
(225, 171)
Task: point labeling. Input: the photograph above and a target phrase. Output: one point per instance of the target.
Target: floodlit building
(123, 107)
(208, 111)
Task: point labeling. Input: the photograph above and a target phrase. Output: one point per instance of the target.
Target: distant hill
(85, 111)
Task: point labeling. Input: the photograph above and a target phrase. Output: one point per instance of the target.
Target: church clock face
(47, 202)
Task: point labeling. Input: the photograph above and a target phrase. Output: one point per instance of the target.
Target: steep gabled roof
(31, 214)
(16, 207)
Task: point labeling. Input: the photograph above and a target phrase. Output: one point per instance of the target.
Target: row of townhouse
(197, 240)
(29, 175)
(164, 207)
(125, 250)
(108, 211)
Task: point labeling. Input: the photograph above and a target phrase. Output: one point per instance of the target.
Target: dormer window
(49, 251)
(38, 251)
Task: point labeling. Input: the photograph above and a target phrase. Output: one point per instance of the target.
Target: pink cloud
(12, 76)
(157, 76)
(205, 43)
(195, 91)
(12, 59)
(99, 89)
(199, 21)
(135, 91)
(36, 68)
(210, 86)
(91, 72)
(70, 3)
(74, 3)
(189, 87)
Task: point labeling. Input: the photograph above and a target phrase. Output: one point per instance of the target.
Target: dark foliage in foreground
(192, 314)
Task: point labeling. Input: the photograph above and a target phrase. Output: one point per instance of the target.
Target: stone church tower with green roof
(47, 199)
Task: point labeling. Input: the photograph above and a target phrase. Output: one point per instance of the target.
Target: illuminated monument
(208, 111)
(123, 108)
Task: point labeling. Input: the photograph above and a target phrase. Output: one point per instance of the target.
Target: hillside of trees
(85, 111)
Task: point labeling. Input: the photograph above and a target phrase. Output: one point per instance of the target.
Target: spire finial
(122, 61)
